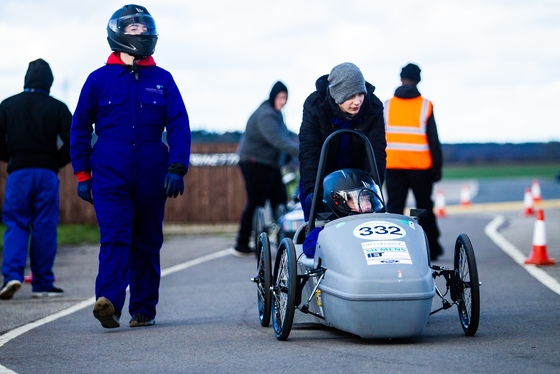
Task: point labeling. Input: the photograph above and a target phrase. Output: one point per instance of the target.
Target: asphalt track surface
(207, 316)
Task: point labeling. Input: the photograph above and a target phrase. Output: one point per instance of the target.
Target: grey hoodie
(266, 139)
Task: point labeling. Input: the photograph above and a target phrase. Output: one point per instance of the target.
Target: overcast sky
(491, 67)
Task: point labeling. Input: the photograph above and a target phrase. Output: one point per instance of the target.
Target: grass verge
(501, 171)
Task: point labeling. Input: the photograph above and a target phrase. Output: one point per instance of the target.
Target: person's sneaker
(140, 319)
(53, 292)
(105, 313)
(9, 289)
(241, 250)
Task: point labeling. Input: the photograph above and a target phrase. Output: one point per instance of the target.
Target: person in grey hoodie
(262, 151)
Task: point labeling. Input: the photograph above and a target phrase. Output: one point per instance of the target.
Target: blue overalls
(128, 165)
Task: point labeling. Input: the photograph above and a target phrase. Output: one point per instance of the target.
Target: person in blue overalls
(129, 172)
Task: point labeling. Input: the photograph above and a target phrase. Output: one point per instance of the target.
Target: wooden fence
(213, 194)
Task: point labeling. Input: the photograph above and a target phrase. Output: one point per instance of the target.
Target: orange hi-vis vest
(405, 128)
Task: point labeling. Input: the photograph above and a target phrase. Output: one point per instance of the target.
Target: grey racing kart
(371, 273)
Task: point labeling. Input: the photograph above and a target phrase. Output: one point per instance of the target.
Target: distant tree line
(462, 153)
(478, 153)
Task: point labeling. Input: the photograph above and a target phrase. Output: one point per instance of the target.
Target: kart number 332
(379, 230)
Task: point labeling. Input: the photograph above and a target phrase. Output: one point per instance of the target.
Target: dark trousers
(262, 182)
(398, 182)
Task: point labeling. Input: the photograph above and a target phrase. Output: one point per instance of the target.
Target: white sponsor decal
(215, 159)
(390, 252)
(379, 230)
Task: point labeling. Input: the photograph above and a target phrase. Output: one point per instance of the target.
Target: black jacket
(319, 110)
(411, 92)
(30, 123)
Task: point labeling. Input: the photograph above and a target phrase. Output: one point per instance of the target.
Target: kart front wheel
(284, 288)
(467, 286)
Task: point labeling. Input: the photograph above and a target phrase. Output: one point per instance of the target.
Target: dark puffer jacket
(321, 117)
(32, 121)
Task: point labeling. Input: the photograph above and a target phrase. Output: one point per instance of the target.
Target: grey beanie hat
(346, 80)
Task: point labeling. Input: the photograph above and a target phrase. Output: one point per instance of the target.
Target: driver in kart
(358, 201)
(346, 192)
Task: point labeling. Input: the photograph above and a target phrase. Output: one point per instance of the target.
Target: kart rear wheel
(284, 289)
(258, 225)
(264, 279)
(467, 285)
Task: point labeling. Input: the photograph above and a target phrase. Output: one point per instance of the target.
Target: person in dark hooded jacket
(30, 124)
(262, 151)
(342, 100)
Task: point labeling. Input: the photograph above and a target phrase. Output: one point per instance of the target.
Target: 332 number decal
(379, 230)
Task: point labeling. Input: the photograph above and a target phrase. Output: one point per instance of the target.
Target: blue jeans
(31, 210)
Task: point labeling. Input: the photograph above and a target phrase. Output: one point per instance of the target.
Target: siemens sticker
(379, 230)
(391, 252)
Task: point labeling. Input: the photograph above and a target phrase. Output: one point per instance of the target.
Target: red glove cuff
(83, 176)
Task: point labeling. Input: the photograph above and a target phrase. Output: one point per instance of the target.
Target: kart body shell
(378, 284)
(371, 273)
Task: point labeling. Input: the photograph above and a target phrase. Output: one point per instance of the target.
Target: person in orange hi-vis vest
(414, 157)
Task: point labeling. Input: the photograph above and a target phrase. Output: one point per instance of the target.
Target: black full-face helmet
(132, 30)
(351, 191)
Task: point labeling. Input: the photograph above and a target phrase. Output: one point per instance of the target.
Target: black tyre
(258, 226)
(467, 285)
(284, 288)
(264, 279)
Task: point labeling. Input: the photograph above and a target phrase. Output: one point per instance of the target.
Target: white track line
(491, 230)
(84, 304)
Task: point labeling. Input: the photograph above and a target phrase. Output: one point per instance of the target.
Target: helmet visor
(135, 24)
(359, 200)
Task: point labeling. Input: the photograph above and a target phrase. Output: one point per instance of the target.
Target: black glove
(173, 185)
(436, 175)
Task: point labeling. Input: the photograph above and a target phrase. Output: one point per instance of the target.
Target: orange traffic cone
(536, 191)
(465, 196)
(539, 256)
(528, 203)
(440, 204)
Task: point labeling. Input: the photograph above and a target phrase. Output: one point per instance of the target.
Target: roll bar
(322, 166)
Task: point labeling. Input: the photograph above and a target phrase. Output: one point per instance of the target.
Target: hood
(39, 76)
(407, 92)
